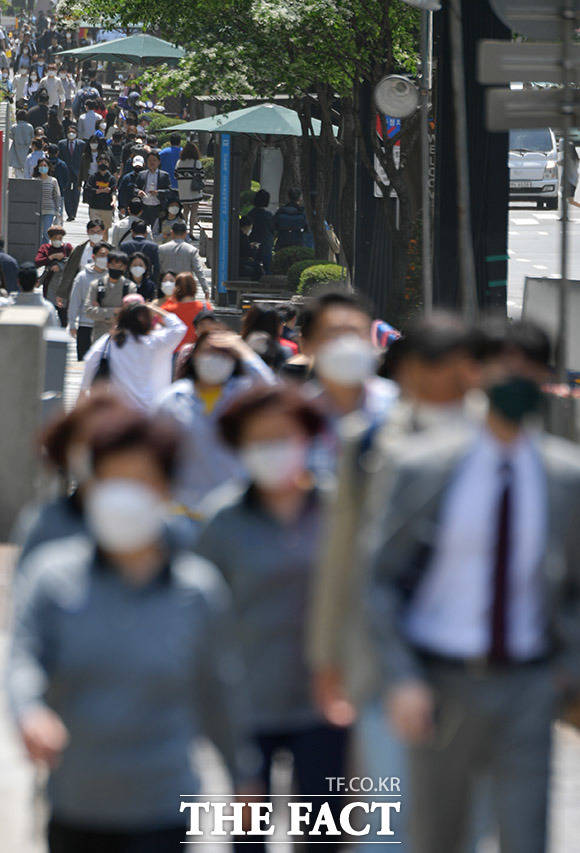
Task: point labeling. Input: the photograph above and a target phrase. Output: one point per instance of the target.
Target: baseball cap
(138, 160)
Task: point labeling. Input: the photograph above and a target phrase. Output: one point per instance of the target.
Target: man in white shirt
(475, 605)
(54, 87)
(80, 324)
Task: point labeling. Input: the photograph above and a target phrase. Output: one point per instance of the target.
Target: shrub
(316, 277)
(284, 258)
(298, 268)
(157, 125)
(208, 167)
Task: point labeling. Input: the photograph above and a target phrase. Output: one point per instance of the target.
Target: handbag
(103, 373)
(198, 180)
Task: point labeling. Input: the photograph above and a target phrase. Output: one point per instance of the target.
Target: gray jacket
(104, 310)
(21, 134)
(77, 312)
(133, 699)
(183, 257)
(269, 566)
(403, 538)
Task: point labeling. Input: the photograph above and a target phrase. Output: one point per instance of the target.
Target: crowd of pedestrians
(317, 537)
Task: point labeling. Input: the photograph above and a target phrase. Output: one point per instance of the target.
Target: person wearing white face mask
(265, 543)
(54, 87)
(139, 273)
(80, 257)
(182, 300)
(89, 682)
(80, 323)
(219, 368)
(336, 337)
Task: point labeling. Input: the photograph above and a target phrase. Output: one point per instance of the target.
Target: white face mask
(52, 73)
(72, 135)
(56, 243)
(138, 272)
(96, 238)
(168, 287)
(214, 368)
(94, 146)
(101, 262)
(124, 515)
(103, 125)
(173, 209)
(347, 360)
(272, 464)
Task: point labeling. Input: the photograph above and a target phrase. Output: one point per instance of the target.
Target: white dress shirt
(151, 184)
(450, 613)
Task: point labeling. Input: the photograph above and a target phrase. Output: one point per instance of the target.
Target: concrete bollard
(22, 365)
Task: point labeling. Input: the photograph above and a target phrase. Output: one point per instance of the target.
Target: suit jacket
(148, 248)
(73, 161)
(72, 267)
(405, 534)
(163, 184)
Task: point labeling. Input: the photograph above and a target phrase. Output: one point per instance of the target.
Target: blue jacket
(290, 224)
(126, 189)
(62, 174)
(9, 267)
(169, 157)
(73, 161)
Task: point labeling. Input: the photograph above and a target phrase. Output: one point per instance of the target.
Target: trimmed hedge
(284, 258)
(298, 268)
(322, 274)
(208, 167)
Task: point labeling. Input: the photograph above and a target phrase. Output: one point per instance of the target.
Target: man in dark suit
(38, 116)
(474, 599)
(153, 186)
(138, 242)
(70, 151)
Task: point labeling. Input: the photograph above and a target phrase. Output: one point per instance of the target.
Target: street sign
(506, 109)
(507, 62)
(537, 19)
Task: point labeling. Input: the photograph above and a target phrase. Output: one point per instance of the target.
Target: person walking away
(139, 353)
(88, 121)
(182, 301)
(169, 156)
(180, 256)
(474, 628)
(290, 221)
(80, 257)
(52, 256)
(50, 199)
(219, 368)
(139, 273)
(138, 242)
(60, 171)
(100, 193)
(127, 191)
(106, 295)
(67, 677)
(152, 186)
(80, 324)
(37, 115)
(54, 87)
(263, 230)
(190, 180)
(70, 151)
(122, 229)
(21, 134)
(54, 131)
(31, 162)
(272, 428)
(29, 295)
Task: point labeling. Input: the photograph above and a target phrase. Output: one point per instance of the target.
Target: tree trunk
(291, 175)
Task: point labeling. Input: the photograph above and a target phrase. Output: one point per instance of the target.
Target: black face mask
(103, 167)
(115, 274)
(515, 398)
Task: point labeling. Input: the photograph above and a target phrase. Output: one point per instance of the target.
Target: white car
(533, 166)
